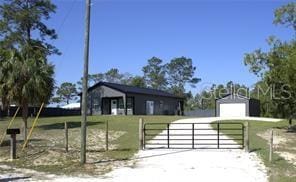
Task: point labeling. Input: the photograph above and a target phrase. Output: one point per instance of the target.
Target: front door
(114, 106)
(149, 107)
(106, 106)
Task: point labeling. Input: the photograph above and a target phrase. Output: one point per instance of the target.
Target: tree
(126, 78)
(207, 98)
(276, 68)
(4, 71)
(24, 34)
(67, 92)
(155, 74)
(180, 72)
(20, 18)
(30, 82)
(90, 82)
(113, 76)
(96, 78)
(286, 15)
(138, 81)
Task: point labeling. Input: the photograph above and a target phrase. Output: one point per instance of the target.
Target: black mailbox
(13, 131)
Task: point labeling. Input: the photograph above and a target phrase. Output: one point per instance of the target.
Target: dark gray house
(116, 99)
(234, 105)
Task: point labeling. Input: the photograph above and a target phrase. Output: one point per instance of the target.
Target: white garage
(234, 105)
(233, 110)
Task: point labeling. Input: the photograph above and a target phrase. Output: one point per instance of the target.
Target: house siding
(95, 98)
(163, 105)
(254, 108)
(169, 105)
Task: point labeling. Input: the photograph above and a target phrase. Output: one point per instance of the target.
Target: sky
(126, 33)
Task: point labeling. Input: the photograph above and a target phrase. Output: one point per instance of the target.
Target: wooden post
(246, 138)
(66, 137)
(85, 84)
(271, 145)
(13, 146)
(141, 141)
(13, 133)
(107, 136)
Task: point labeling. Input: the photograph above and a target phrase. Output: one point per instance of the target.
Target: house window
(120, 103)
(96, 104)
(129, 102)
(161, 104)
(97, 107)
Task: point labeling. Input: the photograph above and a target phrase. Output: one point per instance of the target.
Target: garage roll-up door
(233, 110)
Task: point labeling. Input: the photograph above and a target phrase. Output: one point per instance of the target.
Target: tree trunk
(25, 119)
(5, 106)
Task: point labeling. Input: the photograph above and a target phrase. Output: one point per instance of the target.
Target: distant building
(116, 99)
(234, 105)
(71, 106)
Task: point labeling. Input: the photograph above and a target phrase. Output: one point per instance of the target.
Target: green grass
(48, 142)
(279, 169)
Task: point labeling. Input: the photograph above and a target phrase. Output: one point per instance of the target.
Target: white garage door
(233, 110)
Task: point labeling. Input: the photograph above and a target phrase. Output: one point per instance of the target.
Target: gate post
(66, 137)
(168, 133)
(107, 135)
(141, 138)
(271, 145)
(193, 136)
(218, 130)
(246, 138)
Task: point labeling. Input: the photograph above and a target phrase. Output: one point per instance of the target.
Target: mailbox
(13, 131)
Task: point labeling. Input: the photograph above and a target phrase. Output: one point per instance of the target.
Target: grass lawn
(46, 149)
(280, 169)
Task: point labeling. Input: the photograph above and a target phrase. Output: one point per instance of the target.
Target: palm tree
(5, 67)
(30, 81)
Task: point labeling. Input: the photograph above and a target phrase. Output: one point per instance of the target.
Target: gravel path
(206, 165)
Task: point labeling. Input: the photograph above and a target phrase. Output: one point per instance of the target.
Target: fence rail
(226, 135)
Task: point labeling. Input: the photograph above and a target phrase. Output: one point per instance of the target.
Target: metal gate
(220, 135)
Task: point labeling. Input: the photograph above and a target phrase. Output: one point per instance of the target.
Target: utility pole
(85, 80)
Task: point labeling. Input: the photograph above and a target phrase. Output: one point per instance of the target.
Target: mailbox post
(13, 132)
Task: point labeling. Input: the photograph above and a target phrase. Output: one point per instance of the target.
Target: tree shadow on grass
(6, 143)
(287, 129)
(13, 179)
(255, 150)
(71, 125)
(123, 150)
(143, 157)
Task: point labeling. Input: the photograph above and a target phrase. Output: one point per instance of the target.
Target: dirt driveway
(194, 165)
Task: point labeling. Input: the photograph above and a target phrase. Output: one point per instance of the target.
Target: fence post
(168, 133)
(246, 138)
(271, 145)
(193, 138)
(13, 146)
(141, 141)
(218, 134)
(66, 137)
(107, 135)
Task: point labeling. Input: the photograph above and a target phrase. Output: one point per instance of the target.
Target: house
(116, 99)
(71, 106)
(235, 105)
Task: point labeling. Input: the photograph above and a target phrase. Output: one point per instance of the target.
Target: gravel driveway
(205, 165)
